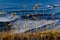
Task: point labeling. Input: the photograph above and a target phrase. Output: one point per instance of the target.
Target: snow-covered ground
(21, 26)
(30, 24)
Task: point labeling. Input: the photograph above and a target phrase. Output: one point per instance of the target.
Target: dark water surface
(15, 5)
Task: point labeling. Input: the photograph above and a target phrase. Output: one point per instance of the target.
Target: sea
(10, 6)
(16, 5)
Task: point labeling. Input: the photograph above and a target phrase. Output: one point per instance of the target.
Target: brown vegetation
(47, 35)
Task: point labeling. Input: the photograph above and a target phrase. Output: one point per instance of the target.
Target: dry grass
(47, 35)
